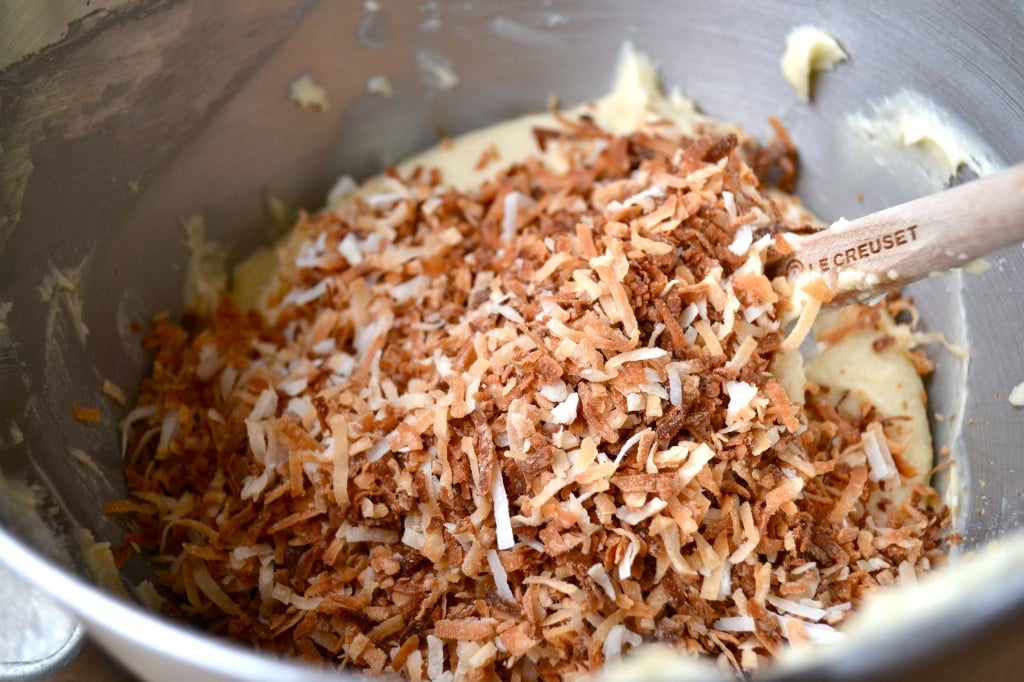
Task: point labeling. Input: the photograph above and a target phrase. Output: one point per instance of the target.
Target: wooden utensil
(887, 250)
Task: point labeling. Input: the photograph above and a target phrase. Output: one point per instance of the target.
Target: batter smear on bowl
(516, 417)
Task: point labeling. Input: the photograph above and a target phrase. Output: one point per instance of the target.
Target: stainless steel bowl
(152, 111)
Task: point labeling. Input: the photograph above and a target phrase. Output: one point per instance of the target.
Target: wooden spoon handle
(893, 247)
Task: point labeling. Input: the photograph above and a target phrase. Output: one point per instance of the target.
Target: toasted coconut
(86, 415)
(514, 432)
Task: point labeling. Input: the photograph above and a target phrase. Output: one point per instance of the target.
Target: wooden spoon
(887, 250)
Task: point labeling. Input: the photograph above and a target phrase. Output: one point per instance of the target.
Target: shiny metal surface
(167, 108)
(37, 635)
(93, 663)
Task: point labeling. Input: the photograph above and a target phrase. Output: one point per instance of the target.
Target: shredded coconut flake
(744, 238)
(502, 519)
(879, 457)
(565, 412)
(734, 624)
(500, 576)
(636, 516)
(740, 395)
(796, 608)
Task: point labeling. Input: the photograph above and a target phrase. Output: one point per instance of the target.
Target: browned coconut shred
(515, 433)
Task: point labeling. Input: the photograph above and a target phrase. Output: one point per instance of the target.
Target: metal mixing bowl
(156, 110)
